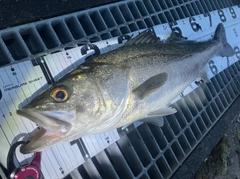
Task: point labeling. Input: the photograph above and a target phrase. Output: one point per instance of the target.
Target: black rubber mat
(16, 12)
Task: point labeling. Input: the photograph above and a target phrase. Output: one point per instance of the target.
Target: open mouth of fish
(52, 128)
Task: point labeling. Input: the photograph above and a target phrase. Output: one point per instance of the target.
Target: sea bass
(134, 82)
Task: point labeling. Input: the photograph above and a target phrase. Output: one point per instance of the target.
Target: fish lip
(23, 112)
(51, 130)
(28, 147)
(45, 120)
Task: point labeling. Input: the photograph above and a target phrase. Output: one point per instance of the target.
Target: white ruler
(19, 81)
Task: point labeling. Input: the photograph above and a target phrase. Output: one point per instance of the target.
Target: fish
(135, 82)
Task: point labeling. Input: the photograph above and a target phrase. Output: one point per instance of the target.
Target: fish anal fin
(151, 85)
(157, 121)
(204, 77)
(164, 111)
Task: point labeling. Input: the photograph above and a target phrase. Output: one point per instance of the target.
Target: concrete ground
(224, 160)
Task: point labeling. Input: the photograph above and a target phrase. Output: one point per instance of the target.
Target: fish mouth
(52, 129)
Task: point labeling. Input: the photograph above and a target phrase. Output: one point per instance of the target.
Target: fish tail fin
(220, 36)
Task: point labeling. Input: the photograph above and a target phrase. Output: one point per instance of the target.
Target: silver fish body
(134, 82)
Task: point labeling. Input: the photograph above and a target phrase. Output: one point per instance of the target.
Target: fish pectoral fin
(151, 85)
(165, 111)
(157, 121)
(146, 37)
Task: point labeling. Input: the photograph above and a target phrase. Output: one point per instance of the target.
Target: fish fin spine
(145, 37)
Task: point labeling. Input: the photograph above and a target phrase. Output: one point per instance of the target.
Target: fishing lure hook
(28, 171)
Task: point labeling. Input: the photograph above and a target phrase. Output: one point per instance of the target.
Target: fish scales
(134, 82)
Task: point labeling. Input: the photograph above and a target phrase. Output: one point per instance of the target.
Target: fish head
(65, 109)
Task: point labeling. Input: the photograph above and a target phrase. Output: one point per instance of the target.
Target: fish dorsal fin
(176, 37)
(151, 85)
(164, 111)
(146, 37)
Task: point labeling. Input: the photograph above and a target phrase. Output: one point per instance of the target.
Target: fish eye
(60, 94)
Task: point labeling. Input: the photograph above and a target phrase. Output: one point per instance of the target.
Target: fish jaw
(52, 129)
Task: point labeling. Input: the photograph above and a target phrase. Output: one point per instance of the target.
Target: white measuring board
(23, 80)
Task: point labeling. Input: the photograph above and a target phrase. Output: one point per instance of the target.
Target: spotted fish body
(134, 82)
